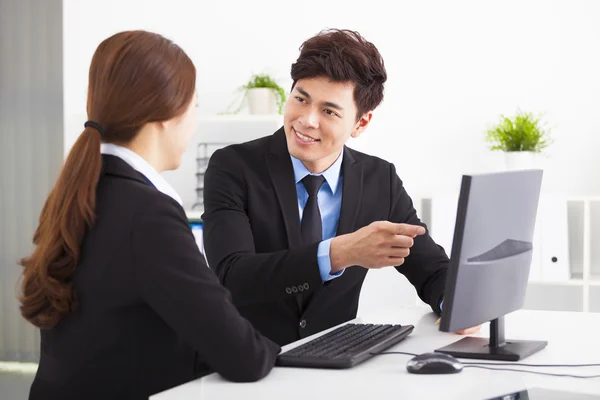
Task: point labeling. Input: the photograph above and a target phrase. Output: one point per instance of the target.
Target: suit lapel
(113, 165)
(281, 171)
(282, 174)
(351, 192)
(352, 171)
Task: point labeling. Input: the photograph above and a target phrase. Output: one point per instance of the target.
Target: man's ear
(362, 124)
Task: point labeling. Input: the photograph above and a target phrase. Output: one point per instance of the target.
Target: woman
(125, 302)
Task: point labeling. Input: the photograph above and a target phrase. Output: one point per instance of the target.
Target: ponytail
(135, 77)
(68, 213)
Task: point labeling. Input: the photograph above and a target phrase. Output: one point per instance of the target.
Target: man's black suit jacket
(252, 237)
(151, 315)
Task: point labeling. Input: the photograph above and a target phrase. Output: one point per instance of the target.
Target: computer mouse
(434, 363)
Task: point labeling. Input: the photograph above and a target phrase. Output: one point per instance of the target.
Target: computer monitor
(489, 267)
(197, 227)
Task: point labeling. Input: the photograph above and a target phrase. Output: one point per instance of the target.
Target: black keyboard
(345, 346)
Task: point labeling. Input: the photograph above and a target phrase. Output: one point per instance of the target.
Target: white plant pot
(519, 160)
(261, 101)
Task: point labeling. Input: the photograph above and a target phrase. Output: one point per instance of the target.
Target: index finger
(408, 230)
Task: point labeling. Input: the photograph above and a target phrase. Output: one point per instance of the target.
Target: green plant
(522, 133)
(262, 81)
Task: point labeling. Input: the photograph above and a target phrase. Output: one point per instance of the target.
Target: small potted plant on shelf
(521, 138)
(262, 95)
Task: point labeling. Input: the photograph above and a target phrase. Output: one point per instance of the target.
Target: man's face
(319, 117)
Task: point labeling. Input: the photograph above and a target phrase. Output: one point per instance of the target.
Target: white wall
(453, 68)
(218, 129)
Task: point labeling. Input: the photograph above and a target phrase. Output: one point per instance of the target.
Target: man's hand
(469, 331)
(380, 244)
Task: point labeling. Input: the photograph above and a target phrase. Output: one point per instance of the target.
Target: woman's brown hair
(135, 77)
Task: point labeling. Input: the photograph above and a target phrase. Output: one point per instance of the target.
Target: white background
(453, 68)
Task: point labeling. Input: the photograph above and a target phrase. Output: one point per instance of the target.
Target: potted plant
(263, 95)
(521, 138)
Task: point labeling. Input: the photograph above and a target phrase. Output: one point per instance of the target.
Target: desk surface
(572, 338)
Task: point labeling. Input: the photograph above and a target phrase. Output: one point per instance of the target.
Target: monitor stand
(497, 348)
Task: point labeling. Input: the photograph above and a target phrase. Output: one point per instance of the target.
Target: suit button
(288, 290)
(300, 288)
(295, 289)
(303, 324)
(305, 286)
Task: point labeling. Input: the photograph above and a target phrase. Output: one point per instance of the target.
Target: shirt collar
(138, 163)
(331, 174)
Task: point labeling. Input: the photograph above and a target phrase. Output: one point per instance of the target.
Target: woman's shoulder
(137, 196)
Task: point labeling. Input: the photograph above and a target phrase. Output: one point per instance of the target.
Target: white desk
(572, 338)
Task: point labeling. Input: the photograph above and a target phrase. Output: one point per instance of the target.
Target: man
(294, 221)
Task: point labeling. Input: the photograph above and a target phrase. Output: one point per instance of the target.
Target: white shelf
(570, 282)
(23, 368)
(241, 118)
(582, 198)
(193, 214)
(235, 128)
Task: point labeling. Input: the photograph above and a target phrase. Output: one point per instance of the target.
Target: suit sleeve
(427, 264)
(229, 243)
(174, 280)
